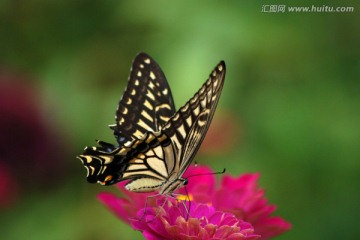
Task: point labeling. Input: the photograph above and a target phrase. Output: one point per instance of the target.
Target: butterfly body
(156, 144)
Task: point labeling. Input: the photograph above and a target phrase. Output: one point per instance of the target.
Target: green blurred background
(289, 109)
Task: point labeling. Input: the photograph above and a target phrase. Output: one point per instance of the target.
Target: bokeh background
(289, 109)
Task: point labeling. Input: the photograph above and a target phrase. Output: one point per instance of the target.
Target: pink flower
(238, 201)
(243, 198)
(203, 222)
(127, 207)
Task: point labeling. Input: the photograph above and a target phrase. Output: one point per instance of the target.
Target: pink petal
(201, 210)
(216, 218)
(149, 235)
(174, 230)
(211, 229)
(272, 227)
(193, 227)
(244, 181)
(223, 231)
(203, 184)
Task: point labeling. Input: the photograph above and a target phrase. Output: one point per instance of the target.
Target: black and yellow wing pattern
(147, 103)
(156, 144)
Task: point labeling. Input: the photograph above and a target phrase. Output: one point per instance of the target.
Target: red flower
(243, 198)
(172, 222)
(238, 202)
(127, 207)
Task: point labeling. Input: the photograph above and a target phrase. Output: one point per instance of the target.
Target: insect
(156, 144)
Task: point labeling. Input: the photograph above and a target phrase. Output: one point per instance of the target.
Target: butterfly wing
(149, 170)
(180, 139)
(147, 103)
(188, 127)
(143, 159)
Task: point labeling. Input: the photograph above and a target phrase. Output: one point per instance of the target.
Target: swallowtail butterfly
(156, 144)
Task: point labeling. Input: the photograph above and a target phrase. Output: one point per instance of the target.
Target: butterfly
(156, 143)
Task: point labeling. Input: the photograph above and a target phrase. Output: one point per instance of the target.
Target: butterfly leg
(183, 200)
(154, 205)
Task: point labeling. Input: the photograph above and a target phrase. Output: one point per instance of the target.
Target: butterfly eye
(185, 182)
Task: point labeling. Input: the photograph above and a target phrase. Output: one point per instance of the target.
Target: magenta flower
(127, 207)
(203, 222)
(242, 214)
(243, 198)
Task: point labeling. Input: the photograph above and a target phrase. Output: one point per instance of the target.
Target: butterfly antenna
(204, 174)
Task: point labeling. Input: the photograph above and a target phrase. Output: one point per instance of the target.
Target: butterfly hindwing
(150, 169)
(147, 103)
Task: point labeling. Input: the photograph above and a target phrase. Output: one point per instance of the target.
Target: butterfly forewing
(188, 127)
(147, 103)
